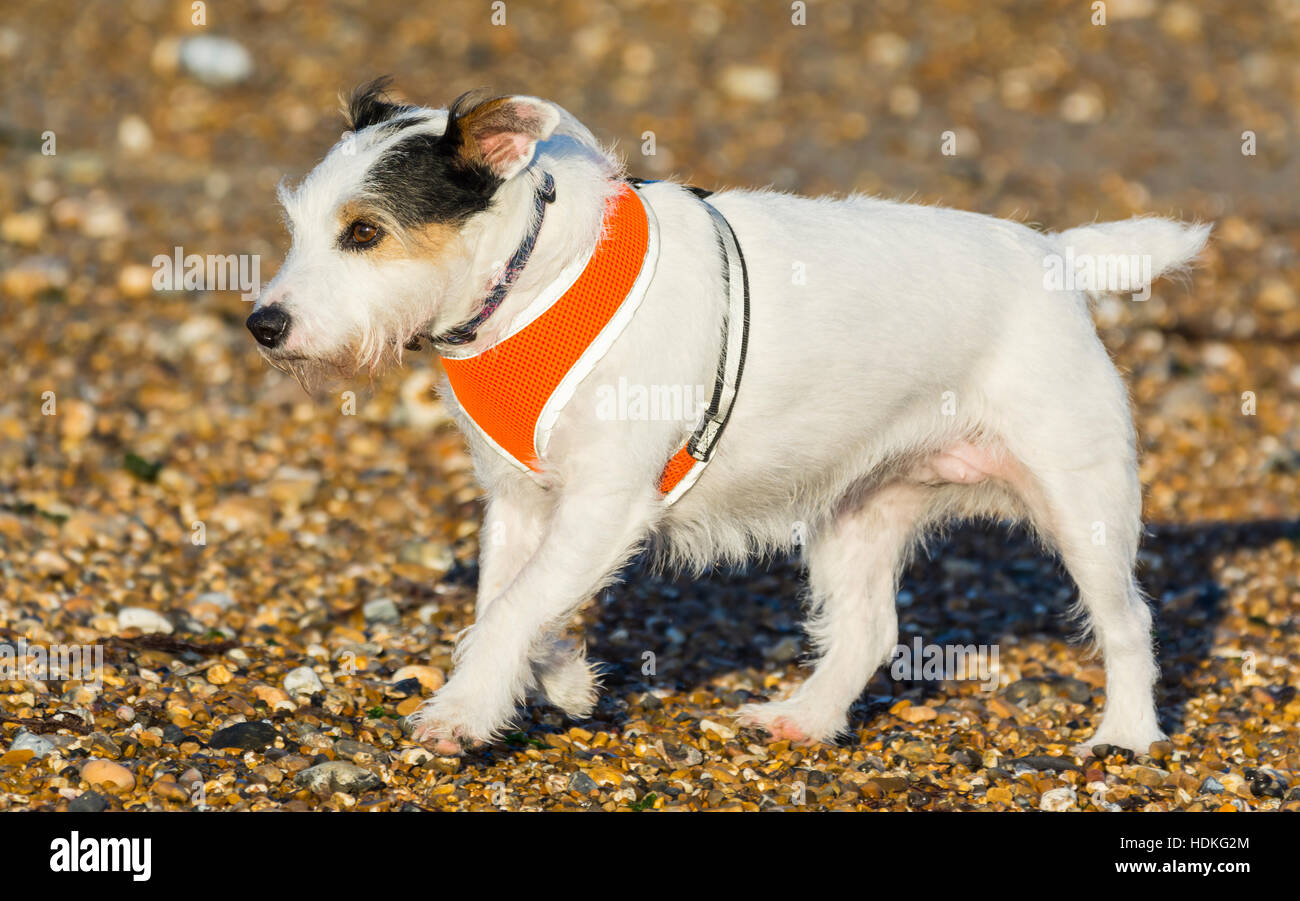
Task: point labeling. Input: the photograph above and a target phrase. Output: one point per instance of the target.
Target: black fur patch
(370, 104)
(426, 178)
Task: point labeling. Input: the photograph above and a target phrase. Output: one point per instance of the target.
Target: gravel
(277, 580)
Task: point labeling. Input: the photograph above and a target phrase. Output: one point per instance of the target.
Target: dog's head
(385, 227)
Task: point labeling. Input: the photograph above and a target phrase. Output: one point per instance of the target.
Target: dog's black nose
(269, 325)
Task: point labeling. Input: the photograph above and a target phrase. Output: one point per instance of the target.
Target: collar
(468, 331)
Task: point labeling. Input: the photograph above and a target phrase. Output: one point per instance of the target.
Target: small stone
(88, 802)
(435, 556)
(430, 677)
(215, 60)
(169, 790)
(108, 774)
(999, 795)
(48, 563)
(890, 785)
(422, 408)
(1083, 107)
(33, 276)
(302, 681)
(269, 773)
(381, 610)
(1058, 799)
(724, 732)
(39, 745)
(785, 650)
(583, 784)
(917, 714)
(134, 134)
(1025, 691)
(275, 698)
(135, 280)
(1181, 21)
(337, 775)
(1211, 786)
(25, 228)
(103, 219)
(916, 751)
(219, 675)
(1276, 296)
(144, 619)
(219, 598)
(755, 84)
(293, 487)
(1149, 776)
(1041, 762)
(346, 747)
(254, 736)
(606, 776)
(1003, 709)
(1266, 783)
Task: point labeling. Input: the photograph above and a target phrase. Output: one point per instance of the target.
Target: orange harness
(514, 390)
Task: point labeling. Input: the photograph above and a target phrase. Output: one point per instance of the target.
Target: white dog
(905, 365)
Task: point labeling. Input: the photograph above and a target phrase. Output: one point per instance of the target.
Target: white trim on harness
(564, 391)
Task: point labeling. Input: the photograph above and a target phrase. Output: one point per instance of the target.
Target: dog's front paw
(444, 729)
(789, 721)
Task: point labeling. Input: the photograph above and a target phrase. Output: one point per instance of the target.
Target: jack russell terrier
(868, 371)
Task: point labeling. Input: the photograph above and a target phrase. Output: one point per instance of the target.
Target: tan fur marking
(425, 242)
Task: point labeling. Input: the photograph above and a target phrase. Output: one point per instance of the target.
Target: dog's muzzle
(269, 326)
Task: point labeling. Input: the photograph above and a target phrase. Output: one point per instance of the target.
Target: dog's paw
(569, 683)
(1138, 741)
(443, 730)
(785, 720)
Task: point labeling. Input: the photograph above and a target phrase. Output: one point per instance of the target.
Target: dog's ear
(369, 104)
(501, 133)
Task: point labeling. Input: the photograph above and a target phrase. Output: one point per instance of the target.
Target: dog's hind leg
(1081, 484)
(854, 568)
(1092, 515)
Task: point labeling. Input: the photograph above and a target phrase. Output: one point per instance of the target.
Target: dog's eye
(362, 233)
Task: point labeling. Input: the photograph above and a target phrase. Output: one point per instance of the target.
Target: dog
(904, 366)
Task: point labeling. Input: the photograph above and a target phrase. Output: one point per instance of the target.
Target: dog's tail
(1129, 255)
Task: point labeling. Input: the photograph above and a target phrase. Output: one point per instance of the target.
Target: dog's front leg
(591, 533)
(513, 525)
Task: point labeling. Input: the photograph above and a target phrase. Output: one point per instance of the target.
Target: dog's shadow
(982, 584)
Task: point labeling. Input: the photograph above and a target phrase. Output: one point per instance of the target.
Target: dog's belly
(964, 463)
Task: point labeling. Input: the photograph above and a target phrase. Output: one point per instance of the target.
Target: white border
(603, 341)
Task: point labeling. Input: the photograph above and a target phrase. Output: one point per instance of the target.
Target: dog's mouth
(313, 371)
(310, 372)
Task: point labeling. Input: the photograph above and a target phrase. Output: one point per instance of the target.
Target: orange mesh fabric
(505, 387)
(676, 470)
